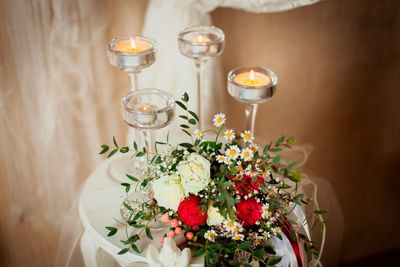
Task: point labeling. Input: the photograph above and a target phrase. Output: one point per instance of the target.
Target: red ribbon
(286, 228)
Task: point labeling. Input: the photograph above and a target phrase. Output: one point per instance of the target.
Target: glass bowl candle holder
(201, 43)
(252, 86)
(132, 54)
(148, 110)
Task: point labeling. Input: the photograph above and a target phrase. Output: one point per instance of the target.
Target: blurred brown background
(338, 64)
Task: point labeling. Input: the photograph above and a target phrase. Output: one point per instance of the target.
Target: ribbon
(286, 228)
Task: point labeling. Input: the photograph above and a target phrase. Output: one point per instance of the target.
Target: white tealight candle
(252, 79)
(145, 113)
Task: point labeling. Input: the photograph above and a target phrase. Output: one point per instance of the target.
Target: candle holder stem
(133, 80)
(250, 113)
(149, 143)
(199, 64)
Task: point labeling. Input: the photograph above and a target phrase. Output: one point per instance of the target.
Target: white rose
(168, 192)
(214, 217)
(195, 173)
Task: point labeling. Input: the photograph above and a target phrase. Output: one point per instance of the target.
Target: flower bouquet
(219, 195)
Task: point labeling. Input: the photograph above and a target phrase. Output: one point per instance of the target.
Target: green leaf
(148, 233)
(186, 145)
(123, 251)
(115, 142)
(185, 126)
(194, 115)
(135, 145)
(276, 159)
(245, 245)
(270, 250)
(112, 153)
(185, 97)
(200, 252)
(104, 149)
(127, 187)
(186, 132)
(299, 196)
(266, 148)
(112, 230)
(124, 149)
(276, 149)
(291, 141)
(132, 178)
(320, 212)
(135, 248)
(183, 117)
(181, 105)
(259, 253)
(292, 164)
(273, 261)
(280, 140)
(127, 206)
(192, 121)
(140, 154)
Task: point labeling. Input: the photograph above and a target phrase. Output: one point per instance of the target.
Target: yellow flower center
(229, 224)
(219, 120)
(246, 154)
(247, 136)
(232, 152)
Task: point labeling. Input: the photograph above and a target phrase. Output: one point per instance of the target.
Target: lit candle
(199, 38)
(252, 79)
(148, 116)
(132, 46)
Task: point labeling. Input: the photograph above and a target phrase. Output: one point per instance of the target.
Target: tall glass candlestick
(132, 54)
(201, 43)
(252, 86)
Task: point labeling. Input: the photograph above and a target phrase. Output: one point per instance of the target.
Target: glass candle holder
(201, 43)
(148, 110)
(252, 86)
(132, 54)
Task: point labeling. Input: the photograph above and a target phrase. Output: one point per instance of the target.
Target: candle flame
(133, 43)
(200, 38)
(251, 76)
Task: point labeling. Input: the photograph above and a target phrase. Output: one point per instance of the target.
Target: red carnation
(248, 211)
(246, 185)
(189, 211)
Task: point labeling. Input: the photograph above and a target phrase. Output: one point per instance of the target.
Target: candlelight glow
(251, 76)
(200, 38)
(133, 43)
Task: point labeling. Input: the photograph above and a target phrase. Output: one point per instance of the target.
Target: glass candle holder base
(120, 166)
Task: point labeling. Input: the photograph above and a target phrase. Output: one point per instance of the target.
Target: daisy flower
(265, 213)
(233, 152)
(247, 136)
(219, 120)
(221, 158)
(229, 135)
(238, 237)
(233, 226)
(198, 134)
(210, 235)
(267, 235)
(253, 147)
(247, 154)
(276, 230)
(227, 161)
